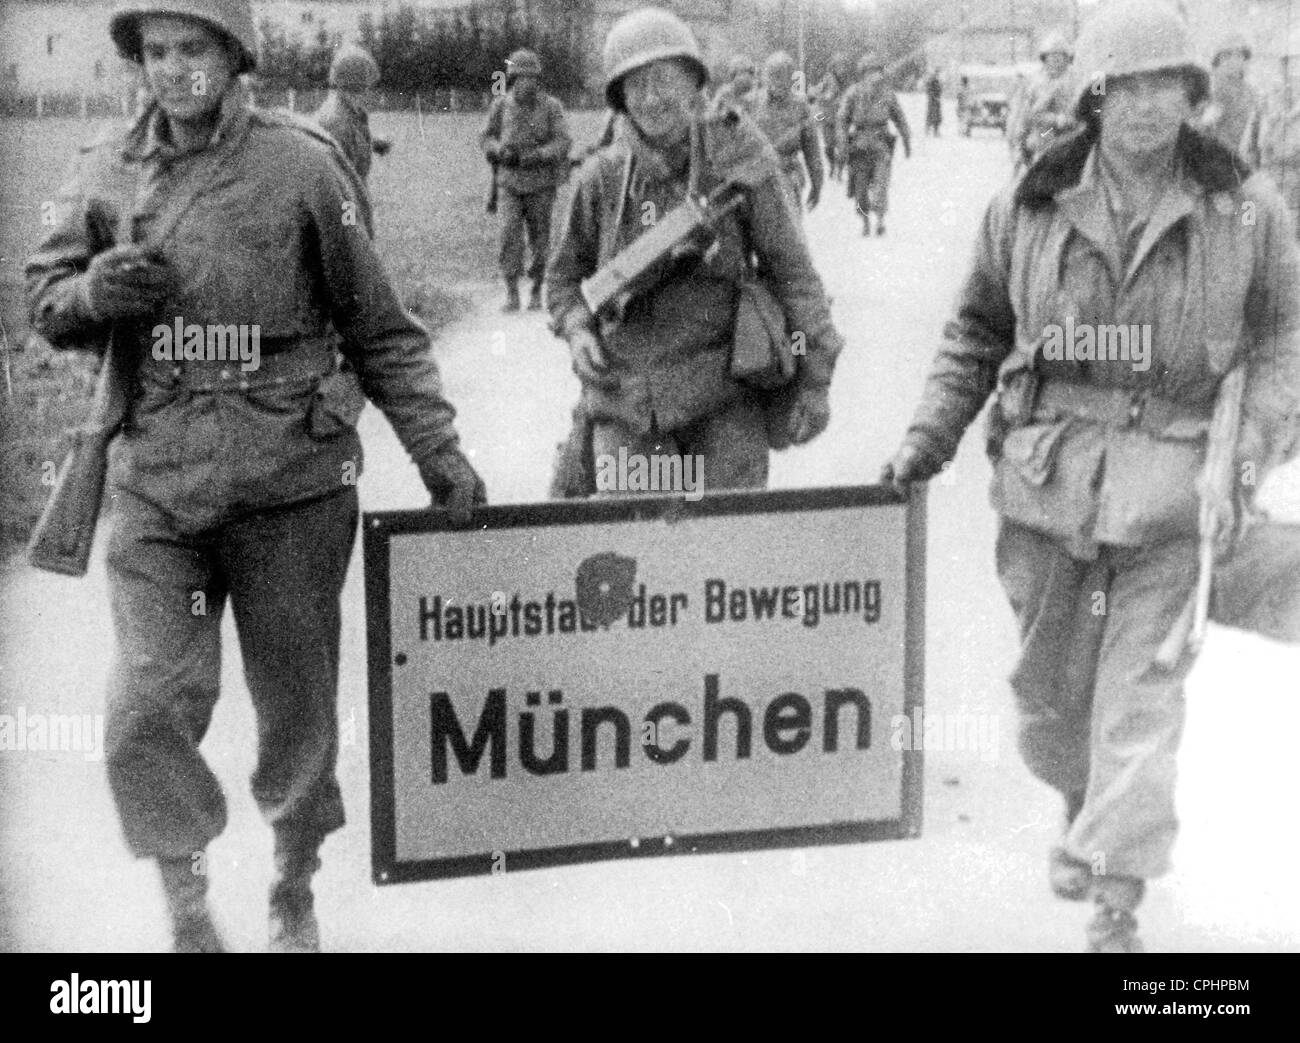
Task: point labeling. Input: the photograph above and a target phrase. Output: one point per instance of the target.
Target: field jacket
(540, 132)
(791, 127)
(268, 227)
(671, 347)
(866, 111)
(345, 120)
(1214, 280)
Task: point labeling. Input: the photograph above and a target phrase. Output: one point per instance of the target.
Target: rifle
(492, 197)
(62, 538)
(64, 534)
(632, 270)
(1218, 498)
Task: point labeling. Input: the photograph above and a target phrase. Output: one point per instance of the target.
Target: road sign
(573, 681)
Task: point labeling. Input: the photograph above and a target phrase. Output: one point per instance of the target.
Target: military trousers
(729, 447)
(1095, 715)
(525, 216)
(282, 572)
(870, 171)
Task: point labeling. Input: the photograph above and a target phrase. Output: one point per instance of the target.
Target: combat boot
(1069, 877)
(512, 297)
(186, 893)
(535, 297)
(293, 926)
(1113, 927)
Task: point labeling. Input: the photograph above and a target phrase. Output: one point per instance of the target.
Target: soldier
(738, 91)
(343, 114)
(868, 108)
(1134, 219)
(656, 378)
(527, 142)
(1273, 135)
(933, 103)
(827, 95)
(1233, 101)
(791, 127)
(1046, 109)
(233, 481)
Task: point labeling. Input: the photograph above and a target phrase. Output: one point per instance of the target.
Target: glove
(909, 464)
(809, 415)
(907, 151)
(508, 156)
(381, 147)
(126, 282)
(452, 481)
(589, 361)
(814, 196)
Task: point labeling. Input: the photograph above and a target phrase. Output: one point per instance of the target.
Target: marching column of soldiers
(235, 485)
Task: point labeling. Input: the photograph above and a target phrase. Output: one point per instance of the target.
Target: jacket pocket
(1032, 450)
(1046, 479)
(335, 406)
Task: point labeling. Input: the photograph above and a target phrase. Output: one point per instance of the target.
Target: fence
(101, 105)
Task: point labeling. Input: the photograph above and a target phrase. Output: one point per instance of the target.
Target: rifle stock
(63, 536)
(1218, 497)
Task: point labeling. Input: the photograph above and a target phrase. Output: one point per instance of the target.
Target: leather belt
(1121, 407)
(310, 359)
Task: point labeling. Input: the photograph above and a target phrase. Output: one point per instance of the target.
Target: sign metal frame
(380, 527)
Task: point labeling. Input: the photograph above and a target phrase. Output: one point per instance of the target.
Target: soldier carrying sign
(232, 483)
(1097, 458)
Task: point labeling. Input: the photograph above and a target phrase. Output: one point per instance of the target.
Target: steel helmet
(233, 19)
(523, 63)
(779, 66)
(739, 63)
(870, 61)
(353, 69)
(648, 35)
(1128, 37)
(1055, 42)
(1233, 41)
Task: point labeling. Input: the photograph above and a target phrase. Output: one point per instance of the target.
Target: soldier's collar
(1059, 167)
(148, 137)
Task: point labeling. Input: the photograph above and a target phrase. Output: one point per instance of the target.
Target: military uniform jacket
(266, 226)
(1048, 102)
(865, 115)
(347, 122)
(541, 134)
(1213, 275)
(792, 129)
(671, 348)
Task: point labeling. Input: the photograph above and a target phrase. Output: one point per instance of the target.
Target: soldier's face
(1230, 65)
(187, 66)
(1142, 114)
(779, 83)
(659, 99)
(525, 87)
(1056, 64)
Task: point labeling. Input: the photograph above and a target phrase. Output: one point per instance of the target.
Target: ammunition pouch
(1048, 466)
(761, 351)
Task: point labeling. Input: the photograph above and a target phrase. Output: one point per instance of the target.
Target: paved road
(974, 880)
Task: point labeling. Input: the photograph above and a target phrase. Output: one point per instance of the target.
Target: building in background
(995, 32)
(62, 46)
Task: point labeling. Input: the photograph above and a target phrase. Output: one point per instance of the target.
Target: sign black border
(377, 529)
